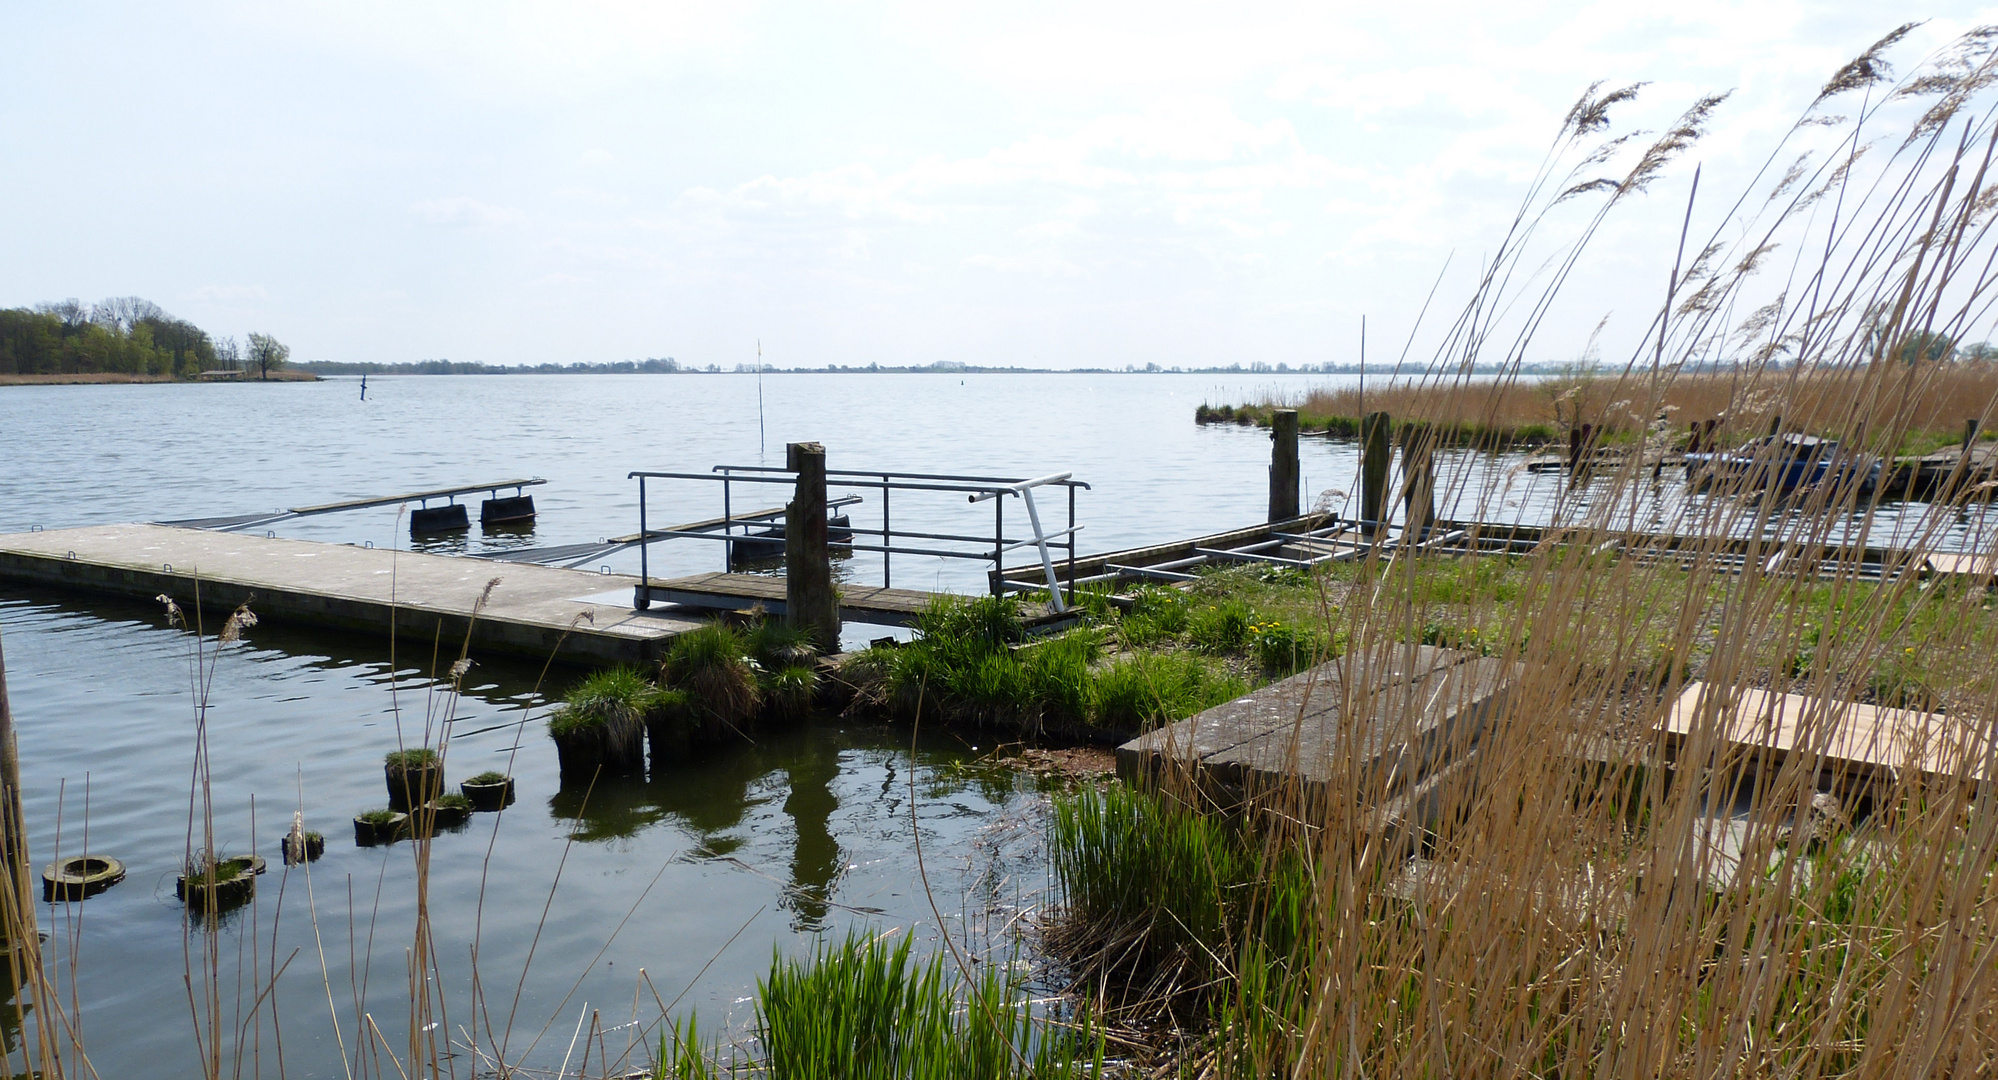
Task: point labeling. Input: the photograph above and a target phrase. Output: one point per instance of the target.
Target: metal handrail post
(998, 547)
(1041, 542)
(728, 526)
(1071, 543)
(887, 536)
(644, 598)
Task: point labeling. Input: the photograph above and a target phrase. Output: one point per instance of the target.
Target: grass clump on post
(787, 667)
(602, 725)
(415, 776)
(713, 671)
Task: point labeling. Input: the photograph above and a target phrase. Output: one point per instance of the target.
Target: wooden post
(1574, 448)
(1418, 478)
(1283, 464)
(809, 599)
(1971, 428)
(1776, 423)
(1375, 455)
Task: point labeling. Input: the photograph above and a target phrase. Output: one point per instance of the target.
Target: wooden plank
(1980, 568)
(1856, 743)
(1412, 721)
(1423, 706)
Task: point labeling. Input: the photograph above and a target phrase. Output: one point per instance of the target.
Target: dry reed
(1578, 893)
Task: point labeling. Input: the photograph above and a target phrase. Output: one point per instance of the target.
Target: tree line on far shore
(124, 335)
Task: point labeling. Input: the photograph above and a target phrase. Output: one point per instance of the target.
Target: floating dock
(535, 611)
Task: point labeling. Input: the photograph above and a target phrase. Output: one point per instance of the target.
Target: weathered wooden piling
(1418, 477)
(809, 599)
(1375, 455)
(1283, 464)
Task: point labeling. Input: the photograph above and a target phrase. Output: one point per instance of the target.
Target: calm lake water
(708, 864)
(807, 833)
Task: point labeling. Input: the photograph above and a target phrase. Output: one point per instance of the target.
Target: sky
(1030, 184)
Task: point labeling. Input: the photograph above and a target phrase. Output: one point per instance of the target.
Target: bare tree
(73, 312)
(267, 352)
(122, 313)
(228, 354)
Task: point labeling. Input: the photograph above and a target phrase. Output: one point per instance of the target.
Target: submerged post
(1283, 464)
(809, 600)
(1375, 455)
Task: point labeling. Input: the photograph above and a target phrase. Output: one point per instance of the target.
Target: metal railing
(990, 548)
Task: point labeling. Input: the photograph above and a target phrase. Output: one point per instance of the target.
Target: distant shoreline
(82, 378)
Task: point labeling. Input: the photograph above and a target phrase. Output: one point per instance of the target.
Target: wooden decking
(1388, 719)
(538, 611)
(1855, 746)
(857, 603)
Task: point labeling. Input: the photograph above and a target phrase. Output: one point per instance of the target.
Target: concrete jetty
(534, 611)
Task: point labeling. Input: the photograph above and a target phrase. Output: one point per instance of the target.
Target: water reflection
(816, 858)
(720, 797)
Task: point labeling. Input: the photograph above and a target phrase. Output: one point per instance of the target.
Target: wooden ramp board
(1979, 568)
(1858, 743)
(1418, 707)
(537, 611)
(857, 603)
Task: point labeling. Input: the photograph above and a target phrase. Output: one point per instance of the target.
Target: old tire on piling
(81, 876)
(488, 797)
